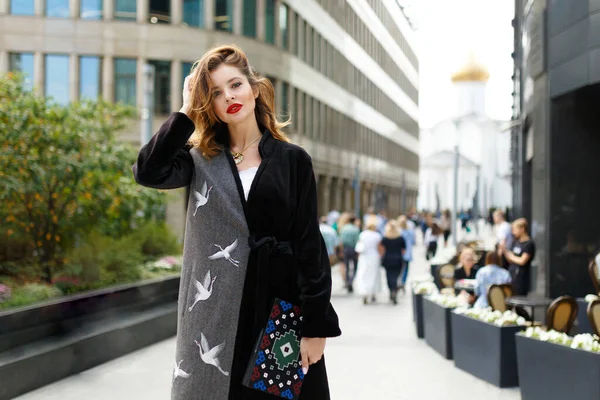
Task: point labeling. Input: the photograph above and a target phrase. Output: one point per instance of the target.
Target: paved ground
(378, 357)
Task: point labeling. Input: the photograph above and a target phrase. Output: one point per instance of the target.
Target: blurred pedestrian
(349, 234)
(368, 275)
(392, 248)
(408, 235)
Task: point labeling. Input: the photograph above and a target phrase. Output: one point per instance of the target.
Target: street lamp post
(455, 199)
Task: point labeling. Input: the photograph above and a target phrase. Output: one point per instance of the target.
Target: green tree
(64, 173)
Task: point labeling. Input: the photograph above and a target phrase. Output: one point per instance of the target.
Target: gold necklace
(238, 157)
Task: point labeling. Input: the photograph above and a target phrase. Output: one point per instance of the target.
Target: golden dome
(472, 71)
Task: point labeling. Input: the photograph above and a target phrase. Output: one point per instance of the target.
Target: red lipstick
(234, 108)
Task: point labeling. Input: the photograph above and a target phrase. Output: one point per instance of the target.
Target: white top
(247, 176)
(370, 240)
(503, 230)
(430, 237)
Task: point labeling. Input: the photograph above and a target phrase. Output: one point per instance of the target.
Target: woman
(520, 257)
(430, 240)
(491, 274)
(409, 240)
(392, 248)
(467, 269)
(445, 224)
(368, 275)
(252, 233)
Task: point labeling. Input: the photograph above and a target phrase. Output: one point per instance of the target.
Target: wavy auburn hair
(208, 125)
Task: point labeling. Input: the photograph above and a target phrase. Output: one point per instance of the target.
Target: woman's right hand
(186, 95)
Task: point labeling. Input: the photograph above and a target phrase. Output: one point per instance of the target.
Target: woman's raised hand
(186, 95)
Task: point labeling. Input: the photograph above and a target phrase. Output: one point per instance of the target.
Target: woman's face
(517, 231)
(468, 260)
(232, 96)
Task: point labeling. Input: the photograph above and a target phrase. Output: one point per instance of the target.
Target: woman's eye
(237, 84)
(216, 93)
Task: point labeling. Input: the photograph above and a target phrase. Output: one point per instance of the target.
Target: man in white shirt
(502, 228)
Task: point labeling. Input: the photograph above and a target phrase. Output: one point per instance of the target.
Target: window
(186, 68)
(57, 8)
(125, 10)
(249, 18)
(162, 86)
(285, 101)
(125, 80)
(308, 44)
(22, 7)
(23, 63)
(57, 78)
(91, 9)
(270, 21)
(308, 123)
(193, 12)
(90, 77)
(223, 15)
(160, 11)
(297, 32)
(283, 25)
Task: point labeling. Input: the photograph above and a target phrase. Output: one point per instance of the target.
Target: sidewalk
(377, 357)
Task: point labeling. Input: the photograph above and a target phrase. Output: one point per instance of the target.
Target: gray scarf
(215, 258)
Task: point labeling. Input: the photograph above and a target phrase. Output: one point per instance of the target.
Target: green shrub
(156, 239)
(30, 294)
(104, 260)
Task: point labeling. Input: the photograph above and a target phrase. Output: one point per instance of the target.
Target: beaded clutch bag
(275, 366)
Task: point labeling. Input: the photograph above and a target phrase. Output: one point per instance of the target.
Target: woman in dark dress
(392, 248)
(467, 269)
(252, 233)
(520, 256)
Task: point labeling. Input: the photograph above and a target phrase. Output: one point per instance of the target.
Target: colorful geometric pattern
(276, 367)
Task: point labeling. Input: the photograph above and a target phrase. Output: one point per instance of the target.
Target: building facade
(556, 140)
(345, 71)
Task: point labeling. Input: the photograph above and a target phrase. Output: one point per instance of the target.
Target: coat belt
(265, 246)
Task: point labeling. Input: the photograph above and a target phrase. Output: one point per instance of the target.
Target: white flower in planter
(591, 297)
(425, 288)
(498, 318)
(586, 341)
(448, 301)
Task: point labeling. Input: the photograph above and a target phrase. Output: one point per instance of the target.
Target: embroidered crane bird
(210, 356)
(226, 253)
(178, 372)
(202, 196)
(203, 290)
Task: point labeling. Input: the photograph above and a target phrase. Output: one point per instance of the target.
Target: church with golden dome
(484, 151)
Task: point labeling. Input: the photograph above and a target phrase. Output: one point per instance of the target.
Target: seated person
(491, 274)
(467, 269)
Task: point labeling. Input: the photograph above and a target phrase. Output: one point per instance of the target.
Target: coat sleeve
(165, 162)
(314, 271)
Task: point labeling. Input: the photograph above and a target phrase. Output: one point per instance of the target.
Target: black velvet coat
(288, 259)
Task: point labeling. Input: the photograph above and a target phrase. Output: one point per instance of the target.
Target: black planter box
(438, 330)
(582, 323)
(549, 371)
(485, 350)
(417, 303)
(24, 325)
(46, 342)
